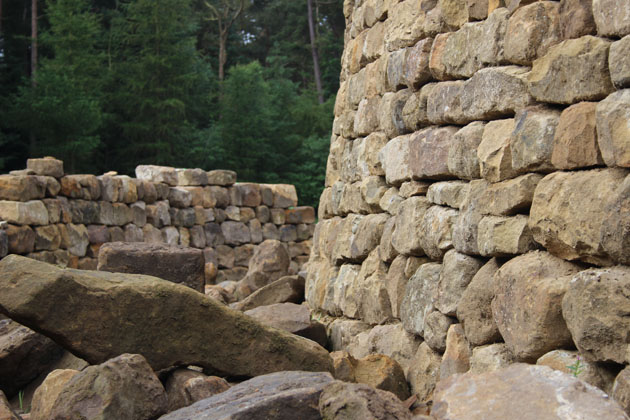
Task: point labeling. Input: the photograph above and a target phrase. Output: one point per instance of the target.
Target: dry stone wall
(64, 219)
(477, 202)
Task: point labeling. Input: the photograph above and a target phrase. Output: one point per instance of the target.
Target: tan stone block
(575, 141)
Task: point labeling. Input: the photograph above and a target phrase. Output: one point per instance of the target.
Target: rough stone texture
(24, 354)
(124, 387)
(24, 213)
(531, 30)
(155, 173)
(502, 236)
(174, 263)
(565, 214)
(416, 65)
(621, 389)
(531, 142)
(592, 373)
(462, 156)
(521, 391)
(340, 400)
(276, 395)
(74, 295)
(614, 233)
(21, 188)
(495, 151)
(185, 387)
(381, 372)
(435, 234)
(510, 197)
(619, 63)
(448, 193)
(436, 326)
(600, 293)
(612, 128)
(406, 238)
(456, 358)
(465, 229)
(490, 358)
(527, 306)
(47, 166)
(575, 141)
(290, 317)
(285, 289)
(457, 272)
(474, 309)
(420, 296)
(576, 19)
(424, 372)
(572, 71)
(612, 17)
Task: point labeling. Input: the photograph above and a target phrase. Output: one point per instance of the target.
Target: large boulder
(594, 307)
(178, 264)
(280, 395)
(99, 315)
(24, 354)
(341, 400)
(122, 388)
(521, 392)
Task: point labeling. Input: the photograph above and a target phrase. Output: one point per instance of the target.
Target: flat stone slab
(280, 395)
(99, 315)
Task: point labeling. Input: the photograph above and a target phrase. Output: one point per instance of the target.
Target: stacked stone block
(478, 165)
(65, 219)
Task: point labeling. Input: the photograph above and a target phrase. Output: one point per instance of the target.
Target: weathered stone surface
(531, 142)
(416, 65)
(461, 61)
(429, 150)
(436, 326)
(367, 236)
(20, 239)
(47, 166)
(24, 213)
(593, 308)
(435, 234)
(271, 258)
(85, 187)
(406, 238)
(424, 372)
(404, 26)
(74, 238)
(572, 71)
(341, 400)
(576, 19)
(285, 289)
(527, 306)
(521, 391)
(4, 243)
(575, 141)
(614, 233)
(366, 118)
(235, 233)
(566, 212)
(6, 412)
(495, 151)
(372, 190)
(21, 188)
(123, 387)
(510, 197)
(456, 358)
(619, 63)
(290, 317)
(462, 155)
(76, 294)
(414, 112)
(502, 236)
(302, 214)
(420, 297)
(612, 17)
(174, 263)
(386, 249)
(474, 308)
(457, 272)
(24, 354)
(612, 128)
(465, 229)
(396, 70)
(47, 238)
(185, 387)
(155, 173)
(490, 358)
(396, 161)
(381, 372)
(279, 395)
(447, 193)
(592, 373)
(221, 177)
(621, 389)
(189, 176)
(390, 113)
(47, 393)
(531, 31)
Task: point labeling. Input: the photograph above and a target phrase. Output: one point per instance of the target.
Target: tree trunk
(311, 30)
(222, 53)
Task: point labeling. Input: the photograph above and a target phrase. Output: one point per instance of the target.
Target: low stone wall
(478, 165)
(64, 219)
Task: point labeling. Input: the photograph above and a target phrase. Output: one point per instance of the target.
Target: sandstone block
(84, 291)
(510, 197)
(406, 238)
(299, 215)
(527, 306)
(495, 151)
(366, 118)
(185, 387)
(456, 358)
(435, 233)
(414, 112)
(437, 67)
(572, 71)
(47, 166)
(343, 400)
(420, 297)
(520, 391)
(21, 187)
(221, 177)
(531, 31)
(501, 236)
(612, 17)
(575, 141)
(461, 61)
(576, 19)
(457, 272)
(47, 393)
(470, 214)
(565, 216)
(619, 63)
(612, 128)
(592, 373)
(155, 173)
(448, 193)
(429, 149)
(600, 293)
(436, 326)
(390, 113)
(416, 65)
(24, 213)
(235, 233)
(490, 358)
(372, 190)
(404, 25)
(47, 238)
(462, 155)
(84, 187)
(74, 238)
(396, 70)
(424, 372)
(621, 389)
(532, 139)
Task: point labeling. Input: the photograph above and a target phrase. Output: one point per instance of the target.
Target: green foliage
(577, 367)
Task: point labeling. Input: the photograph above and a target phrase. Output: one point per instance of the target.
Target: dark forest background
(216, 84)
